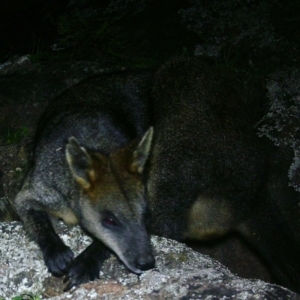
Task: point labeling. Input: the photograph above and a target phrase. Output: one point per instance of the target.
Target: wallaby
(91, 147)
(209, 172)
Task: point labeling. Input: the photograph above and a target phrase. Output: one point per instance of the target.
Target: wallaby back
(209, 172)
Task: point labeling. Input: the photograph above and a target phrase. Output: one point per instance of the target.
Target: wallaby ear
(79, 162)
(142, 151)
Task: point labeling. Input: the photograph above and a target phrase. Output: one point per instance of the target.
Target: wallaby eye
(110, 221)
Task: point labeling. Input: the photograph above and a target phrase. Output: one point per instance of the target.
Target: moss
(26, 297)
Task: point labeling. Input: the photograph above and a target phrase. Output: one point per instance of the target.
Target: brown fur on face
(111, 182)
(112, 203)
(104, 174)
(111, 175)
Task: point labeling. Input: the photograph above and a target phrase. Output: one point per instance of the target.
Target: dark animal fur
(210, 174)
(88, 164)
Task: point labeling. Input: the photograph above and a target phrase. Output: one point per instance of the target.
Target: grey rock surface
(180, 273)
(281, 123)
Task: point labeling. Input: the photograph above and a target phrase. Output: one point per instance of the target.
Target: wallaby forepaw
(58, 259)
(81, 271)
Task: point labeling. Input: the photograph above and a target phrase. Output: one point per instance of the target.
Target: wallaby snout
(145, 262)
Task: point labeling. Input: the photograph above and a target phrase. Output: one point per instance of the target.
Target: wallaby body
(90, 151)
(209, 172)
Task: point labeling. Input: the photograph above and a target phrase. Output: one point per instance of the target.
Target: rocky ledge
(180, 273)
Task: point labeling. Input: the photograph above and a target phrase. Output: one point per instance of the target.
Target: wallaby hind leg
(210, 218)
(57, 255)
(86, 266)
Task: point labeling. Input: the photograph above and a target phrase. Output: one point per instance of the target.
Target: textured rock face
(180, 273)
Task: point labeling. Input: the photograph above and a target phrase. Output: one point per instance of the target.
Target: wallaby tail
(277, 242)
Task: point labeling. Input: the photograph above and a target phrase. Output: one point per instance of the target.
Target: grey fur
(85, 172)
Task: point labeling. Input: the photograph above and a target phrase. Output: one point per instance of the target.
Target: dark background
(144, 33)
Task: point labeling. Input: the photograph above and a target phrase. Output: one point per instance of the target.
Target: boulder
(180, 273)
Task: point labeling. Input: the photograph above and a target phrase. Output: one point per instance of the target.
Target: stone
(180, 273)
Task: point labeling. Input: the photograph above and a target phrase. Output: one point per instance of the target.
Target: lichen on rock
(180, 273)
(282, 123)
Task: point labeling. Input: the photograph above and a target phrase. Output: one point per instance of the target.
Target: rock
(281, 123)
(180, 273)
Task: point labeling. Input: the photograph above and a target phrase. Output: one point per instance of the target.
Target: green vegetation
(13, 136)
(7, 213)
(24, 297)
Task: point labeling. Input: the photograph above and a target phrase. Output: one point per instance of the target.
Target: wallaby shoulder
(124, 95)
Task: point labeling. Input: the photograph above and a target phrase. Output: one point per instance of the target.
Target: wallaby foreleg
(86, 266)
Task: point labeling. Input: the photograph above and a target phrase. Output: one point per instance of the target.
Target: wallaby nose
(145, 262)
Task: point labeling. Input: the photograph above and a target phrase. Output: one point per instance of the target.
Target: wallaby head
(112, 204)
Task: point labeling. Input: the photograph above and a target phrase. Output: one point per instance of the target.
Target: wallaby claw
(82, 270)
(58, 259)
